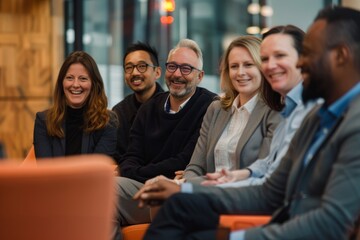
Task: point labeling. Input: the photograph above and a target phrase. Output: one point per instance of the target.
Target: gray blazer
(101, 141)
(253, 144)
(324, 196)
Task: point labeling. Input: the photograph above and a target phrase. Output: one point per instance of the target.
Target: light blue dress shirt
(328, 118)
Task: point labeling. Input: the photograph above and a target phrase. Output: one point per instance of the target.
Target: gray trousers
(127, 208)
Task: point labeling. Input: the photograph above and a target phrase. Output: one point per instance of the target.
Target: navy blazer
(101, 141)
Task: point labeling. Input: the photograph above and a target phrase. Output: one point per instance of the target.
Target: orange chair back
(59, 199)
(30, 158)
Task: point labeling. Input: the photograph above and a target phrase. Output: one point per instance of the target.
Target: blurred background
(36, 35)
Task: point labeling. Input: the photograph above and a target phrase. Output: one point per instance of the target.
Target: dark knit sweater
(162, 143)
(126, 111)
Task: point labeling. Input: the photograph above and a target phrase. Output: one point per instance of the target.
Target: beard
(187, 90)
(319, 82)
(312, 91)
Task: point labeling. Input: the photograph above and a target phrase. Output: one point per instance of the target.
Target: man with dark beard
(315, 192)
(165, 130)
(141, 70)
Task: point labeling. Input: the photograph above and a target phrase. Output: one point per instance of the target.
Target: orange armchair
(228, 223)
(137, 231)
(64, 199)
(134, 232)
(238, 222)
(30, 159)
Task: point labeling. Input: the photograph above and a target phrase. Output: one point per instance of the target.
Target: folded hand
(155, 193)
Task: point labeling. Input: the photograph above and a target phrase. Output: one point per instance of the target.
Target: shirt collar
(249, 105)
(335, 110)
(339, 107)
(292, 100)
(167, 106)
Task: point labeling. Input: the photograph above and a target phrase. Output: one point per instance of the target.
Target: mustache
(178, 80)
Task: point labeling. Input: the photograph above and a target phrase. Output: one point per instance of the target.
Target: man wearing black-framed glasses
(141, 71)
(182, 76)
(165, 130)
(185, 69)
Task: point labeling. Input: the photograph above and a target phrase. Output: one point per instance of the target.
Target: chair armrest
(30, 159)
(238, 222)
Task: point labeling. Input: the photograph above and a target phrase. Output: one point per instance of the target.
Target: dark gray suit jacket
(101, 141)
(324, 196)
(253, 144)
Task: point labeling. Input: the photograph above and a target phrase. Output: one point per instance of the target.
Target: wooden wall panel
(17, 124)
(26, 69)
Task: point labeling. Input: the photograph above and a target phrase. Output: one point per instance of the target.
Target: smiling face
(244, 74)
(76, 85)
(180, 86)
(278, 62)
(137, 81)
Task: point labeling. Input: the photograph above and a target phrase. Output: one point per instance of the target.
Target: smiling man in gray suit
(315, 192)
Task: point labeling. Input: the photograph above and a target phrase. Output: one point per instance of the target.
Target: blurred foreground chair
(60, 199)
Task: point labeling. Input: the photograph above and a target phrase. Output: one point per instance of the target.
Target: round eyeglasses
(141, 67)
(185, 69)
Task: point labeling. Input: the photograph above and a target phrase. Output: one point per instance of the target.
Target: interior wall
(351, 3)
(27, 61)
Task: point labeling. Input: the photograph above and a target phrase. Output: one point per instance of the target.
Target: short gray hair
(191, 44)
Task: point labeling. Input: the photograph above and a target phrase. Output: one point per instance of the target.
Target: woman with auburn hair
(79, 121)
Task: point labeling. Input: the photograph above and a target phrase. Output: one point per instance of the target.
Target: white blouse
(224, 152)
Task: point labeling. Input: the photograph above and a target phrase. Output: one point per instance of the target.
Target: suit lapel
(254, 120)
(303, 144)
(219, 125)
(59, 144)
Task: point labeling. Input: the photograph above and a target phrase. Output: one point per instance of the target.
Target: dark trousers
(185, 216)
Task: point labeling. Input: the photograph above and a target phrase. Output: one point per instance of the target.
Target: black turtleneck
(74, 130)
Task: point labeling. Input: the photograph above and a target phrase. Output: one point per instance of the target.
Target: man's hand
(156, 192)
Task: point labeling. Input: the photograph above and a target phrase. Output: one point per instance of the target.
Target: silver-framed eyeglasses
(185, 69)
(141, 67)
